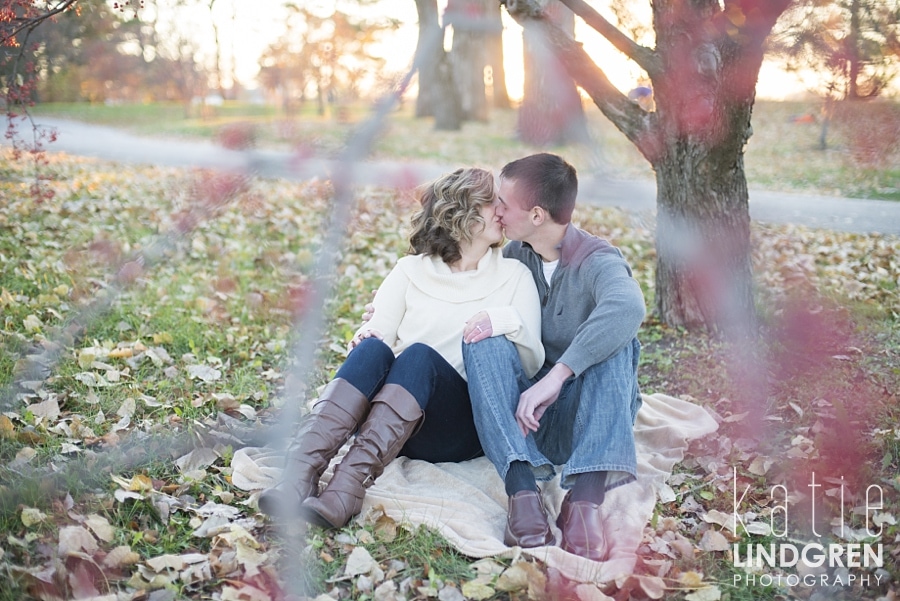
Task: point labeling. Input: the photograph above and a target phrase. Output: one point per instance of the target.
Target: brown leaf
(76, 539)
(120, 557)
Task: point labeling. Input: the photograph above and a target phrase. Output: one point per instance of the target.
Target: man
(578, 411)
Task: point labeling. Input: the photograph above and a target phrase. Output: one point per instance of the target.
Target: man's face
(512, 210)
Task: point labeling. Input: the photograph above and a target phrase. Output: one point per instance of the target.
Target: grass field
(783, 153)
(146, 319)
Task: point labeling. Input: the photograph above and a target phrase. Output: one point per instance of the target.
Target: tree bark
(551, 113)
(429, 53)
(499, 92)
(469, 20)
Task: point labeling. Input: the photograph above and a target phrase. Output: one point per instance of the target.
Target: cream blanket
(466, 502)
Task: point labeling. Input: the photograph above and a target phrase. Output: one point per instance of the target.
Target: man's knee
(495, 346)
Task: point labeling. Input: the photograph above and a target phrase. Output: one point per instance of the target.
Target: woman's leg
(343, 404)
(448, 430)
(395, 415)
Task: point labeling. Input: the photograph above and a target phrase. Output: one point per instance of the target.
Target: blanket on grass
(466, 502)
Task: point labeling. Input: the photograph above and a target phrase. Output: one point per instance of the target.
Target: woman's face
(492, 233)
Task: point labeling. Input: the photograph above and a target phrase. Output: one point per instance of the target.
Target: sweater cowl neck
(431, 275)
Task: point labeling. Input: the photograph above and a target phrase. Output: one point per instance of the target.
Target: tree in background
(330, 54)
(703, 70)
(551, 113)
(453, 84)
(852, 47)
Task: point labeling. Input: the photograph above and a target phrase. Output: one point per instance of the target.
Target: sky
(247, 27)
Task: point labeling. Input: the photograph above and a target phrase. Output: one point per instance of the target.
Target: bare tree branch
(639, 126)
(645, 57)
(19, 24)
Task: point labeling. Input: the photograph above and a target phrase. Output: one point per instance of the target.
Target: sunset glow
(246, 29)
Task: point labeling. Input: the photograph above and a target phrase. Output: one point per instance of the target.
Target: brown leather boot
(334, 417)
(393, 419)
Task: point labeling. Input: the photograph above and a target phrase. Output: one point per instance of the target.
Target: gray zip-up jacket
(592, 306)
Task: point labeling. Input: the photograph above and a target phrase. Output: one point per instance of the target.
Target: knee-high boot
(393, 419)
(334, 417)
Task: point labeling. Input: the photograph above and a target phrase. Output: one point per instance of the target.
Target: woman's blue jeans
(589, 428)
(448, 431)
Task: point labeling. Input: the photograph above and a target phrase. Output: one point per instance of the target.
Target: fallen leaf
(32, 323)
(760, 465)
(126, 409)
(31, 516)
(48, 409)
(120, 557)
(708, 593)
(203, 372)
(100, 527)
(478, 589)
(361, 562)
(7, 429)
(690, 580)
(196, 459)
(714, 541)
(515, 578)
(76, 539)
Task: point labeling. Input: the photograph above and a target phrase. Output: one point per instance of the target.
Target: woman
(403, 384)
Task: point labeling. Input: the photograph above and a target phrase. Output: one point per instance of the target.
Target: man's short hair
(547, 181)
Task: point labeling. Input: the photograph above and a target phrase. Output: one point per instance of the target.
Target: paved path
(844, 214)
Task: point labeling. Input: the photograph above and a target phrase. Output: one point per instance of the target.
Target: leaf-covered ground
(146, 320)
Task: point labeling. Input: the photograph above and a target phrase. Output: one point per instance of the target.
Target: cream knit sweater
(421, 300)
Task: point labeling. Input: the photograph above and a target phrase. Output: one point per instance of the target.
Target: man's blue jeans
(448, 430)
(589, 428)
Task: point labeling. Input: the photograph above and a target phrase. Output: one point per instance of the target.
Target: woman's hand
(478, 328)
(369, 309)
(362, 336)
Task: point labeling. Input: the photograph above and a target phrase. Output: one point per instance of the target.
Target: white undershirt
(549, 268)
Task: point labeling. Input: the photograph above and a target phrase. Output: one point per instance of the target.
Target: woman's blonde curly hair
(449, 213)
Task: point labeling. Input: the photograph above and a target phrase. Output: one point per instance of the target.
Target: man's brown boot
(334, 417)
(393, 419)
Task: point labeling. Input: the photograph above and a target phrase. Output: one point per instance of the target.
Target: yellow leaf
(119, 353)
(120, 557)
(31, 516)
(86, 359)
(141, 483)
(163, 338)
(478, 589)
(691, 580)
(6, 427)
(32, 323)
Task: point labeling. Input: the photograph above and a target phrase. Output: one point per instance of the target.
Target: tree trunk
(429, 52)
(469, 55)
(551, 113)
(447, 113)
(703, 271)
(499, 92)
(852, 50)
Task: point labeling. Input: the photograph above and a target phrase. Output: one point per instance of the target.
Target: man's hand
(478, 328)
(534, 401)
(362, 336)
